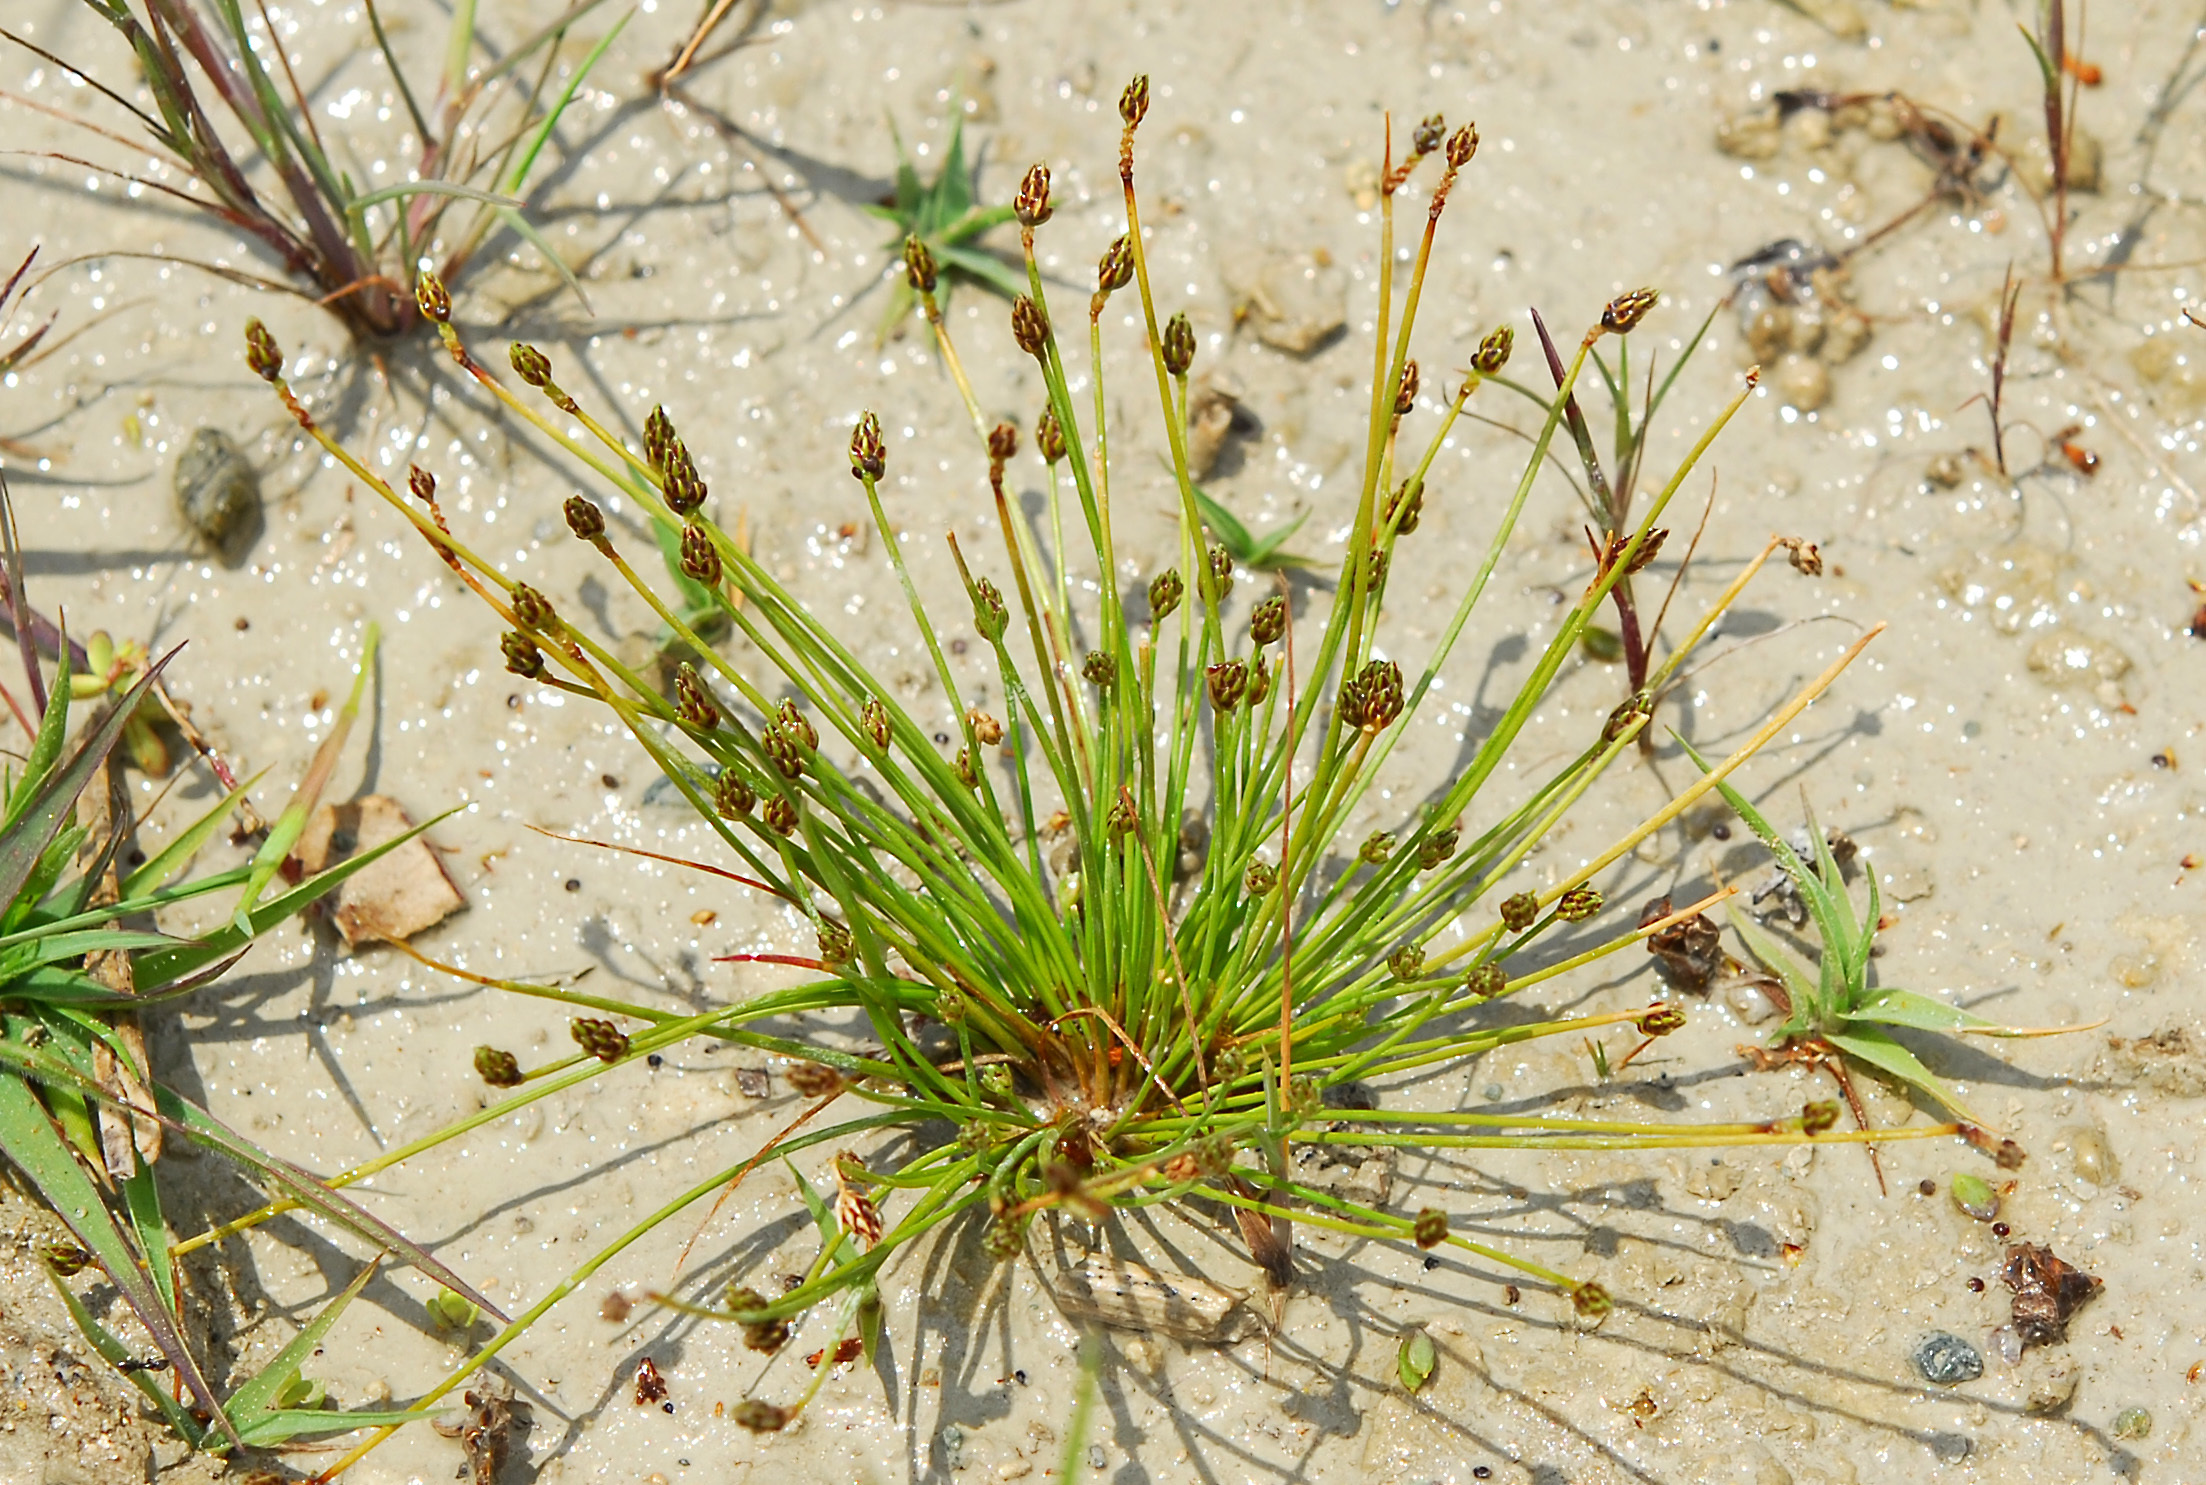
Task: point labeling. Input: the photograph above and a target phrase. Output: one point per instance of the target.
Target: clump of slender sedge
(1099, 1030)
(350, 249)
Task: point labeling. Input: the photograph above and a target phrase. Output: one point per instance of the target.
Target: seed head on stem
(1179, 344)
(600, 1039)
(919, 266)
(797, 725)
(868, 453)
(529, 364)
(1493, 351)
(262, 353)
(733, 798)
(1113, 271)
(522, 656)
(1226, 682)
(1029, 326)
(679, 481)
(584, 519)
(432, 298)
(693, 703)
(1623, 313)
(700, 558)
(1133, 106)
(1439, 847)
(1049, 436)
(532, 608)
(1578, 904)
(990, 617)
(1133, 103)
(1268, 621)
(658, 436)
(1218, 575)
(1032, 205)
(1165, 592)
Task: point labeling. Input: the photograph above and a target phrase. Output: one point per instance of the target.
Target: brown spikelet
(855, 1212)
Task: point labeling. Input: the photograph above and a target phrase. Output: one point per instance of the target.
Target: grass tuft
(1074, 1003)
(221, 115)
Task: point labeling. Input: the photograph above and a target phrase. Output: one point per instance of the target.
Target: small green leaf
(1604, 645)
(177, 854)
(1887, 1055)
(1906, 1008)
(1415, 1360)
(1266, 556)
(304, 1392)
(1975, 1196)
(448, 1311)
(527, 161)
(270, 1430)
(1799, 984)
(1241, 544)
(252, 1401)
(984, 266)
(2045, 67)
(1226, 526)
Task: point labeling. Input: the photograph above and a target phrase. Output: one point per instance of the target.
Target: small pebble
(1947, 1359)
(1803, 382)
(216, 490)
(1096, 1459)
(2132, 1423)
(2091, 1156)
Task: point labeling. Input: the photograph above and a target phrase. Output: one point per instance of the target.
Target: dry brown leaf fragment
(398, 896)
(2047, 1291)
(1690, 951)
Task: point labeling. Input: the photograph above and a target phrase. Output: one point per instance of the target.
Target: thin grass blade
(30, 1140)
